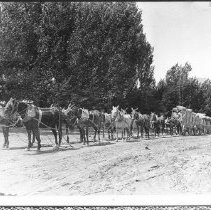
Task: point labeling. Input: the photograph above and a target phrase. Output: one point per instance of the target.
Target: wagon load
(175, 115)
(207, 125)
(200, 118)
(183, 113)
(200, 122)
(185, 116)
(207, 120)
(174, 110)
(180, 108)
(194, 118)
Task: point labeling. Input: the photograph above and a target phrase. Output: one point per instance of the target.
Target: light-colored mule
(121, 122)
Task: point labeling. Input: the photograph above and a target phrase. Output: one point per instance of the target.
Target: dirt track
(170, 165)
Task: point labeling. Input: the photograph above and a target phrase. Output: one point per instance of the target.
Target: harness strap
(12, 125)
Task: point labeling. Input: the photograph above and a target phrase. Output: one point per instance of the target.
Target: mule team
(118, 122)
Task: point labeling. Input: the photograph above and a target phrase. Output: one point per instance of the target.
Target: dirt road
(167, 165)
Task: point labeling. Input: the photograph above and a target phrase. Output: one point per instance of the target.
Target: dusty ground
(170, 165)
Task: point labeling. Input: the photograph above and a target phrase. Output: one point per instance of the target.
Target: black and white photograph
(105, 99)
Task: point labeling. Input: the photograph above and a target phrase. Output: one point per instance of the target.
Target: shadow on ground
(61, 149)
(101, 144)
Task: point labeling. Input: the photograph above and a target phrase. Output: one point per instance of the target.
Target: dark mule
(178, 126)
(176, 119)
(108, 124)
(155, 123)
(173, 126)
(71, 121)
(142, 122)
(97, 118)
(33, 116)
(161, 120)
(4, 121)
(7, 121)
(83, 121)
(169, 126)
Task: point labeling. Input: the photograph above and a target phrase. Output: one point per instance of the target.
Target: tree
(205, 94)
(176, 80)
(19, 46)
(192, 94)
(94, 51)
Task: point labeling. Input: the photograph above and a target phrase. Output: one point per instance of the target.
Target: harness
(65, 112)
(30, 113)
(84, 114)
(76, 121)
(11, 125)
(120, 115)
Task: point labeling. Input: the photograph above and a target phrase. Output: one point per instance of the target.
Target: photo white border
(115, 200)
(111, 200)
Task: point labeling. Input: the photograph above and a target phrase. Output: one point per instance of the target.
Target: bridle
(117, 114)
(66, 113)
(135, 115)
(22, 113)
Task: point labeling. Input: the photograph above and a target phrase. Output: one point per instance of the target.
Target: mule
(97, 119)
(71, 121)
(5, 126)
(169, 126)
(155, 123)
(7, 121)
(84, 121)
(142, 122)
(121, 122)
(32, 116)
(176, 119)
(161, 120)
(109, 125)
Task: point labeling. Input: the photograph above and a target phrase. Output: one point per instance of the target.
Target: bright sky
(179, 32)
